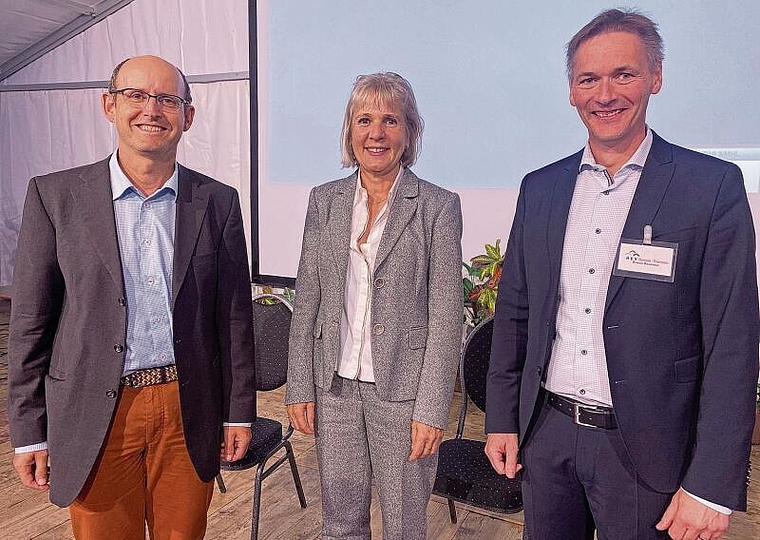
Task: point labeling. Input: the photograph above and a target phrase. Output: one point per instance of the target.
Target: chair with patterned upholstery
(464, 472)
(271, 326)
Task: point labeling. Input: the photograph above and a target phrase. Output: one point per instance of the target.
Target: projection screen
(490, 82)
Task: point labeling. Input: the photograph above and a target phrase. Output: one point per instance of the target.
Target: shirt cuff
(716, 507)
(31, 448)
(237, 424)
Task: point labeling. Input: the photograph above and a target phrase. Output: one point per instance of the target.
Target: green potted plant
(287, 293)
(481, 284)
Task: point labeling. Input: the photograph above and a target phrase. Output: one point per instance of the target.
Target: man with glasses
(131, 341)
(625, 346)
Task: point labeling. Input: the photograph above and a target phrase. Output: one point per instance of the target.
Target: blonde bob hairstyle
(390, 90)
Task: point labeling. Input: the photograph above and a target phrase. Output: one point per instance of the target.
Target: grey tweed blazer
(417, 308)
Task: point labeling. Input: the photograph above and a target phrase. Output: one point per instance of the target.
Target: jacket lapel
(339, 217)
(653, 184)
(559, 206)
(403, 208)
(191, 209)
(95, 202)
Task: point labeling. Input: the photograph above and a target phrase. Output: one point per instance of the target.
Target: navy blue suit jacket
(682, 357)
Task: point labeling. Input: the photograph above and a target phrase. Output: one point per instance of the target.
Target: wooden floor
(25, 514)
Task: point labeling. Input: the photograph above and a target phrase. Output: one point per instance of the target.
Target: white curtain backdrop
(47, 130)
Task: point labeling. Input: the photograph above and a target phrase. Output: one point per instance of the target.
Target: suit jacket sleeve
(729, 312)
(510, 334)
(235, 321)
(300, 388)
(445, 312)
(37, 300)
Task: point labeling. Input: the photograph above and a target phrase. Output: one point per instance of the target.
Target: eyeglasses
(139, 99)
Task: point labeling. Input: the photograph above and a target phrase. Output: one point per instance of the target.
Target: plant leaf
(479, 260)
(487, 300)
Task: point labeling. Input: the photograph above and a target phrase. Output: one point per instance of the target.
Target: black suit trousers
(578, 480)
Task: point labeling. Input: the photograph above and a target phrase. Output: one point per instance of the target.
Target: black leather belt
(582, 414)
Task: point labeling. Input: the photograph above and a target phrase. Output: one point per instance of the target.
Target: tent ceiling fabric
(30, 28)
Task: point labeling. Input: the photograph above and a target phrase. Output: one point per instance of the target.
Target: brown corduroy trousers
(143, 475)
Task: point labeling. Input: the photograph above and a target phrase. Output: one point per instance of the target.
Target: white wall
(46, 130)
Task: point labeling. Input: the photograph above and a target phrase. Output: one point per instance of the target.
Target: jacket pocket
(318, 345)
(676, 236)
(418, 337)
(204, 259)
(56, 374)
(687, 370)
(317, 364)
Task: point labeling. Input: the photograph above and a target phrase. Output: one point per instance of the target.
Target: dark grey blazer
(68, 320)
(682, 357)
(416, 296)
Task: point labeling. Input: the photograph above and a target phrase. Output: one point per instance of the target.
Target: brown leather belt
(150, 376)
(582, 414)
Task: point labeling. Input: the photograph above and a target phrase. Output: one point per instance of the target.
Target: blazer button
(379, 282)
(122, 301)
(378, 329)
(118, 348)
(111, 394)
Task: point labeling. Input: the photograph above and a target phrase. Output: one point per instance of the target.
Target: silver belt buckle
(577, 408)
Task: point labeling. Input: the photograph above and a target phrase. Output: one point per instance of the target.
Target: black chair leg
(220, 483)
(256, 502)
(452, 511)
(296, 476)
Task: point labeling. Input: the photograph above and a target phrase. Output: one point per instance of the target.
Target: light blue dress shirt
(145, 228)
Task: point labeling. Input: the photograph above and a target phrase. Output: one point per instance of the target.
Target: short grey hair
(389, 89)
(619, 20)
(112, 83)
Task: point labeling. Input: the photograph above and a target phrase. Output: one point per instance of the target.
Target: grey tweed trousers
(360, 438)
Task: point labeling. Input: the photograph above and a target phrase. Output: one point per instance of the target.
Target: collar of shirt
(636, 161)
(121, 184)
(360, 208)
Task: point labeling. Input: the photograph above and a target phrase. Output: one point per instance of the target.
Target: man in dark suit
(625, 348)
(131, 346)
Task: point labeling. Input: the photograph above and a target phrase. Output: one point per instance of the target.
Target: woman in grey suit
(377, 326)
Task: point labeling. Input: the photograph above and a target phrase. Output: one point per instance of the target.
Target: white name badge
(646, 260)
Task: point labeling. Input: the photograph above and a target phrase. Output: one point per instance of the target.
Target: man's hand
(32, 469)
(501, 450)
(235, 443)
(301, 417)
(425, 440)
(688, 519)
